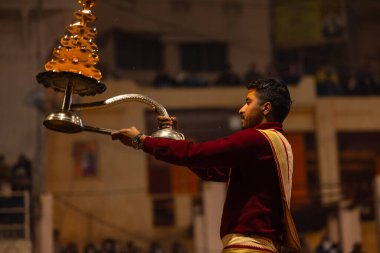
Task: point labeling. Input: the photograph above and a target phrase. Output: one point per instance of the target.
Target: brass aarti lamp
(72, 71)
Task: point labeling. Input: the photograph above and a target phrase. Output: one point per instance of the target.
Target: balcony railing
(15, 216)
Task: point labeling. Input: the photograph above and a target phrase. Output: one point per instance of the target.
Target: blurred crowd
(227, 77)
(330, 80)
(15, 177)
(110, 245)
(326, 245)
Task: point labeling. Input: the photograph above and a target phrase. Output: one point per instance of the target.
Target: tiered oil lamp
(72, 71)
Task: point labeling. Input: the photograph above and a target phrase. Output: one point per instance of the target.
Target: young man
(255, 161)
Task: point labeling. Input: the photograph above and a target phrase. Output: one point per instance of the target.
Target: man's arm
(212, 174)
(128, 137)
(209, 160)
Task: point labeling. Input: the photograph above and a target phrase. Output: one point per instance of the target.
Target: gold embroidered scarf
(284, 160)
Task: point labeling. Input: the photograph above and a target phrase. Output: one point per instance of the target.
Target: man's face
(252, 112)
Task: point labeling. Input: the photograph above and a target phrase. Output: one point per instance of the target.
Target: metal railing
(15, 216)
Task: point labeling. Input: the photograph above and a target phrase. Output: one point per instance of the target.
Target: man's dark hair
(275, 92)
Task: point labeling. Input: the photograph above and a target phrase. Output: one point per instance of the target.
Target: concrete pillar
(46, 224)
(213, 200)
(329, 174)
(199, 233)
(376, 197)
(349, 227)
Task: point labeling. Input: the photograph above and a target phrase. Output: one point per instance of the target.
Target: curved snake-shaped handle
(158, 108)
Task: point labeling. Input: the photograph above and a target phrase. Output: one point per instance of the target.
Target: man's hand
(126, 135)
(167, 122)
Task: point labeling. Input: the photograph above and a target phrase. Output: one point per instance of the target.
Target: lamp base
(82, 85)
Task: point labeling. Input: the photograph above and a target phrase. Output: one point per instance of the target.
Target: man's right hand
(167, 122)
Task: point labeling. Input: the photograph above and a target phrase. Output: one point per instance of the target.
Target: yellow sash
(238, 243)
(283, 155)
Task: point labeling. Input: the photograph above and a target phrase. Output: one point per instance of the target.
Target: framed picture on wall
(85, 154)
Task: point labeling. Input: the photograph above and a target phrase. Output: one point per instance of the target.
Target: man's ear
(267, 108)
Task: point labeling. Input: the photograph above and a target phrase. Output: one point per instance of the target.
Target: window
(164, 178)
(358, 162)
(138, 50)
(85, 154)
(160, 181)
(163, 212)
(203, 56)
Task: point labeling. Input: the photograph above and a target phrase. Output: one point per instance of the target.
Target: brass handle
(98, 130)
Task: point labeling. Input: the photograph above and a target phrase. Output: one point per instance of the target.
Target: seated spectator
(21, 174)
(252, 74)
(272, 71)
(71, 247)
(177, 247)
(325, 245)
(351, 85)
(228, 78)
(108, 246)
(180, 77)
(292, 76)
(194, 80)
(163, 79)
(130, 247)
(332, 26)
(327, 81)
(365, 81)
(155, 247)
(356, 248)
(5, 178)
(90, 248)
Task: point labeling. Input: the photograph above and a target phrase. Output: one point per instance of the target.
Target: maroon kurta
(253, 202)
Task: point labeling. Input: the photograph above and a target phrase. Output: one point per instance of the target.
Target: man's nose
(242, 109)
